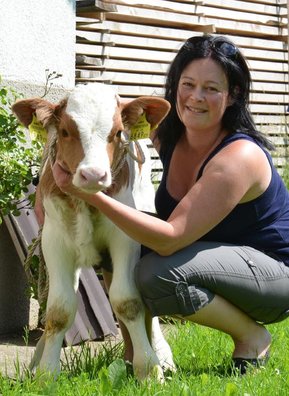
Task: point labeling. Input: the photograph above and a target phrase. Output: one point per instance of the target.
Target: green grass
(202, 357)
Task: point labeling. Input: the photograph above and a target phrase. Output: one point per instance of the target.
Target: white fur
(73, 236)
(92, 107)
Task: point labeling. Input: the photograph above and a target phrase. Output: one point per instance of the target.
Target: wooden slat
(134, 46)
(190, 6)
(159, 68)
(242, 16)
(135, 30)
(280, 161)
(268, 66)
(268, 108)
(249, 4)
(280, 141)
(255, 8)
(179, 35)
(270, 87)
(205, 27)
(154, 55)
(270, 99)
(94, 5)
(269, 76)
(270, 119)
(169, 45)
(161, 18)
(262, 92)
(120, 53)
(195, 14)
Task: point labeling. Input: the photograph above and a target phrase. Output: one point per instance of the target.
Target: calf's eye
(64, 133)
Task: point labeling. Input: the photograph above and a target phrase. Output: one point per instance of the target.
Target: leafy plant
(19, 158)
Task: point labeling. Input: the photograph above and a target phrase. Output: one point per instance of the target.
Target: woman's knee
(165, 291)
(150, 276)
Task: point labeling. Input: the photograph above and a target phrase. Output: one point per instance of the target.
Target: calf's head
(87, 125)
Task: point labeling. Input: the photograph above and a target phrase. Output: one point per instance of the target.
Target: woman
(219, 248)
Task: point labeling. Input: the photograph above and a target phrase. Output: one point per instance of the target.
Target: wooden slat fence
(132, 46)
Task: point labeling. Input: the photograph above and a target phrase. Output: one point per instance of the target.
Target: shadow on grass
(223, 370)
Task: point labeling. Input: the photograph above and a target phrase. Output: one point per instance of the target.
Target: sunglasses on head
(221, 46)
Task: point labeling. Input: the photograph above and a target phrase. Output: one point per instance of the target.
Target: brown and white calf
(86, 133)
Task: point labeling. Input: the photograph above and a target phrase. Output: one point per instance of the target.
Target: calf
(88, 134)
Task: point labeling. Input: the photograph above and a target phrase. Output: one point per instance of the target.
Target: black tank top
(262, 223)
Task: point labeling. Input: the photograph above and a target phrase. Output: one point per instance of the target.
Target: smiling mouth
(196, 110)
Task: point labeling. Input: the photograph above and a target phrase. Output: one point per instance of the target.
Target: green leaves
(112, 377)
(19, 158)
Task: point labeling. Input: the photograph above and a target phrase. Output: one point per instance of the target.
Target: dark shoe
(244, 364)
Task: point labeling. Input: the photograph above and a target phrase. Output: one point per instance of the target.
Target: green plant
(202, 357)
(49, 77)
(19, 158)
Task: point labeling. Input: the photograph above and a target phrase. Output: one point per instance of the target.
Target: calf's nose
(93, 176)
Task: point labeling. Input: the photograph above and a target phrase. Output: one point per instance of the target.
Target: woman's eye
(212, 89)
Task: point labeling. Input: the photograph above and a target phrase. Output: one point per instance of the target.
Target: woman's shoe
(244, 364)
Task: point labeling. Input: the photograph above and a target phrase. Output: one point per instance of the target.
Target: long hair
(237, 116)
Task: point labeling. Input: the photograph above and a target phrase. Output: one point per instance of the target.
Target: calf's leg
(61, 303)
(154, 333)
(128, 348)
(160, 345)
(128, 307)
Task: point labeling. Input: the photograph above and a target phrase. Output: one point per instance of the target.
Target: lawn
(202, 357)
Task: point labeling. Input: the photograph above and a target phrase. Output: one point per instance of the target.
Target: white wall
(36, 35)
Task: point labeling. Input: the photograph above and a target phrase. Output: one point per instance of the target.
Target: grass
(202, 357)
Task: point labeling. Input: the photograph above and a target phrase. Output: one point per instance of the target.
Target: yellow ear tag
(141, 129)
(37, 131)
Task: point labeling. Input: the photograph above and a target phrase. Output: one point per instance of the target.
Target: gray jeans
(186, 281)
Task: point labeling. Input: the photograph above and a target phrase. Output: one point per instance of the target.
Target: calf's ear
(155, 109)
(24, 109)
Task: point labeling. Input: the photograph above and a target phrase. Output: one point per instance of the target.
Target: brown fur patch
(69, 149)
(139, 156)
(25, 108)
(128, 309)
(117, 125)
(111, 149)
(47, 184)
(121, 180)
(56, 320)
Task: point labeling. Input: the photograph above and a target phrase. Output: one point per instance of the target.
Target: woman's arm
(229, 179)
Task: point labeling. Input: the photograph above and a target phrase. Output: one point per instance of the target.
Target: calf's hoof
(169, 366)
(153, 373)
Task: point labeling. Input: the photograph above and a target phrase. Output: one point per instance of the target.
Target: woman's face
(202, 95)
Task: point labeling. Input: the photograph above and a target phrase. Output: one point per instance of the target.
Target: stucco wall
(35, 35)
